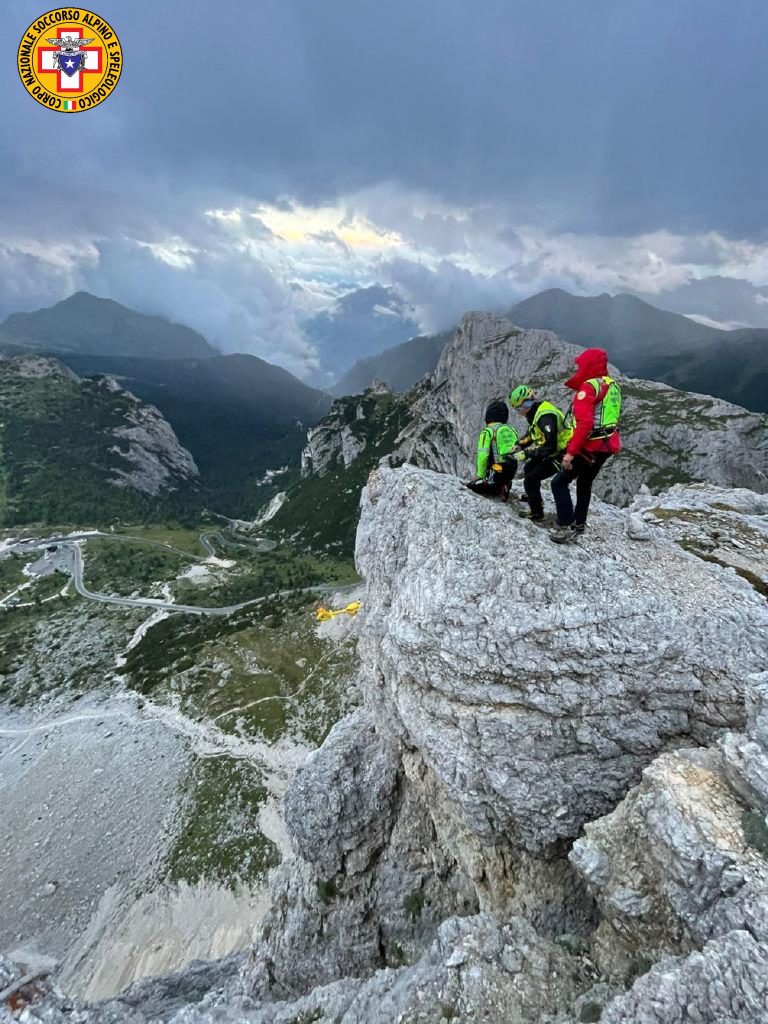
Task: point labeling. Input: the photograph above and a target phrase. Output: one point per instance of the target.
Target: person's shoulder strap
(600, 384)
(495, 441)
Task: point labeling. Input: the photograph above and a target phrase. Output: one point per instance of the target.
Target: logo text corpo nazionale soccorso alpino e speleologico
(70, 59)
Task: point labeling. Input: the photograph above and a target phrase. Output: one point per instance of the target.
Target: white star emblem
(70, 63)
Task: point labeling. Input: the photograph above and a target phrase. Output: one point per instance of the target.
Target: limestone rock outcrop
(684, 858)
(369, 884)
(343, 434)
(551, 807)
(723, 526)
(477, 970)
(723, 984)
(514, 691)
(156, 460)
(535, 683)
(35, 366)
(110, 435)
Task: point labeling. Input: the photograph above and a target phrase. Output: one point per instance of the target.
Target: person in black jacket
(541, 447)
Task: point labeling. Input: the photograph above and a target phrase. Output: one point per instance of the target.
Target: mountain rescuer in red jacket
(594, 421)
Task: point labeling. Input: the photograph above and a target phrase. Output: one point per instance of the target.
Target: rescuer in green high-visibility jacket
(542, 447)
(496, 445)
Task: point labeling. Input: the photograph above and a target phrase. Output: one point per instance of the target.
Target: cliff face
(515, 692)
(668, 435)
(348, 429)
(321, 509)
(156, 460)
(551, 805)
(534, 685)
(72, 448)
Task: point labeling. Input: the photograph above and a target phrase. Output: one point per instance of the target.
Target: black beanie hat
(497, 412)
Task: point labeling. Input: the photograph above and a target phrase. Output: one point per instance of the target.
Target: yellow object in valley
(324, 614)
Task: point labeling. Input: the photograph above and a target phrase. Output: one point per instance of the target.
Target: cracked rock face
(149, 445)
(341, 436)
(668, 435)
(521, 701)
(537, 685)
(684, 858)
(476, 971)
(368, 884)
(723, 984)
(727, 527)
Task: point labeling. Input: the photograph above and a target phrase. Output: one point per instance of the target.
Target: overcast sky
(259, 158)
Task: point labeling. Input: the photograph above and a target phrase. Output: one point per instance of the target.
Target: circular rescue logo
(70, 59)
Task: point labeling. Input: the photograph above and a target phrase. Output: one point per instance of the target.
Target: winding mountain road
(76, 569)
(71, 555)
(233, 526)
(41, 545)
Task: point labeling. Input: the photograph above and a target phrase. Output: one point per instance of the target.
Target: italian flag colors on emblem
(70, 104)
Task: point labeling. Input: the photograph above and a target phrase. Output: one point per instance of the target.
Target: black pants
(584, 470)
(496, 481)
(533, 475)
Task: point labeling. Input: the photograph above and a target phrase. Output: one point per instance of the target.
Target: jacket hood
(592, 362)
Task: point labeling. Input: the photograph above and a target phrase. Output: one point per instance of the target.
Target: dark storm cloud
(237, 306)
(493, 148)
(598, 116)
(442, 295)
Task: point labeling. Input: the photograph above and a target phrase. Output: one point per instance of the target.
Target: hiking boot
(504, 492)
(567, 534)
(535, 517)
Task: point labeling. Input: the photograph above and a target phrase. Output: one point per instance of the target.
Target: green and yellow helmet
(519, 395)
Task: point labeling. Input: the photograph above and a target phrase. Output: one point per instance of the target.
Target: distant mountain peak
(86, 324)
(83, 297)
(361, 323)
(646, 341)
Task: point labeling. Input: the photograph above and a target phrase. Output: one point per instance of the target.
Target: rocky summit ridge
(551, 803)
(668, 436)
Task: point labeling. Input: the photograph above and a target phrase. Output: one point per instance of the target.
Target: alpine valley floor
(152, 747)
